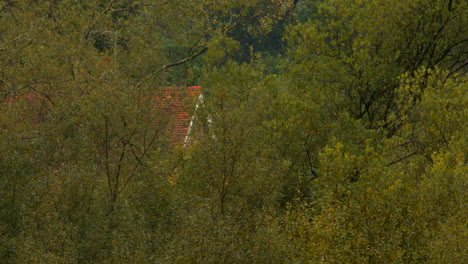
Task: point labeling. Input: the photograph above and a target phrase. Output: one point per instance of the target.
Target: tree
(360, 49)
(343, 141)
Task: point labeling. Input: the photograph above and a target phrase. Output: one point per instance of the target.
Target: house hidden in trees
(174, 103)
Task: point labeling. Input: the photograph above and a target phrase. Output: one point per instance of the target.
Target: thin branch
(163, 68)
(137, 5)
(41, 93)
(93, 23)
(313, 173)
(159, 4)
(401, 159)
(9, 3)
(195, 55)
(140, 158)
(6, 83)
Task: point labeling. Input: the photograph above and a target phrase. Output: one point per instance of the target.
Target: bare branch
(124, 9)
(401, 159)
(164, 67)
(195, 55)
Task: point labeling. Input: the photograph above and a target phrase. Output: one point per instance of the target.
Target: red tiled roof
(39, 104)
(174, 103)
(30, 98)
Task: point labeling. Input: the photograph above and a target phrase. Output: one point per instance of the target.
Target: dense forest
(331, 131)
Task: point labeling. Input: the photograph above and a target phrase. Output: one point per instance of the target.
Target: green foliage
(360, 48)
(329, 132)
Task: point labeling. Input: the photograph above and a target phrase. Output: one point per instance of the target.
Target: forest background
(331, 131)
